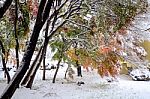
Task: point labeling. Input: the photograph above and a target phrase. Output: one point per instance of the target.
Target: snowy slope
(141, 24)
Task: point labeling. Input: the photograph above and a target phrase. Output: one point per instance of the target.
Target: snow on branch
(2, 3)
(57, 18)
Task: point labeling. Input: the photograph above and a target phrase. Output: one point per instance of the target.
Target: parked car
(140, 74)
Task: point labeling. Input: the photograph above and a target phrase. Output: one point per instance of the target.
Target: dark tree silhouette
(16, 32)
(40, 21)
(5, 7)
(4, 62)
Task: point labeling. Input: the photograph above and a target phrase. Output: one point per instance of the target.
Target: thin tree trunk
(30, 82)
(41, 18)
(32, 76)
(79, 72)
(57, 68)
(29, 72)
(4, 63)
(16, 32)
(33, 66)
(45, 49)
(44, 71)
(66, 72)
(58, 64)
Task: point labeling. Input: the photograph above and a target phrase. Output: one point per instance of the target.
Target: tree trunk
(32, 76)
(16, 32)
(28, 74)
(66, 72)
(30, 82)
(41, 18)
(58, 64)
(5, 7)
(4, 63)
(33, 66)
(44, 71)
(46, 40)
(79, 72)
(54, 78)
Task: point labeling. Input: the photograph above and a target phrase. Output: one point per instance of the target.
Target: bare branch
(82, 25)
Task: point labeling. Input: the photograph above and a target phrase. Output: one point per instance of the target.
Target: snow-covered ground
(141, 24)
(94, 88)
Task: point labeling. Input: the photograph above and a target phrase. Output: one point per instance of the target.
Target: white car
(140, 74)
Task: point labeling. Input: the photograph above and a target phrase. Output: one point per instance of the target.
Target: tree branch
(5, 7)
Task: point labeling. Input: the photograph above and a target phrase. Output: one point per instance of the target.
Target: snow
(1, 3)
(140, 74)
(141, 25)
(94, 88)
